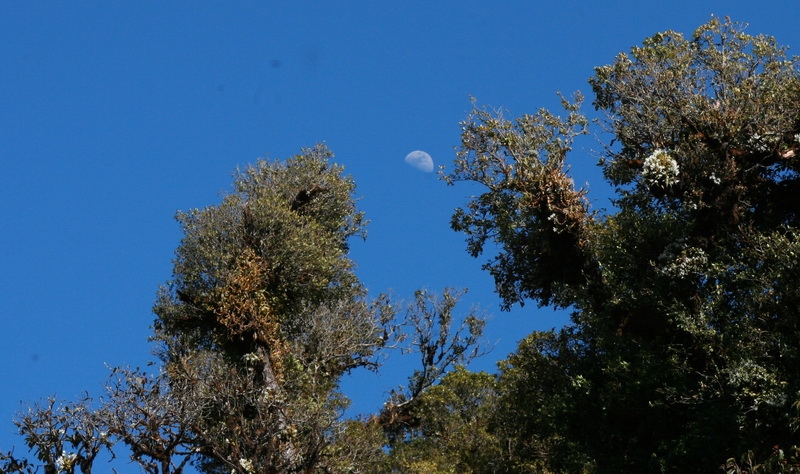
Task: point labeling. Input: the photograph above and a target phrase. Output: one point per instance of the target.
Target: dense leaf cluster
(683, 346)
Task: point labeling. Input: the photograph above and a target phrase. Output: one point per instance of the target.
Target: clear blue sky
(114, 115)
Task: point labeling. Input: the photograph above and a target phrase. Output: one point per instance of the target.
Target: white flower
(660, 169)
(683, 263)
(763, 143)
(251, 358)
(65, 461)
(247, 465)
(266, 396)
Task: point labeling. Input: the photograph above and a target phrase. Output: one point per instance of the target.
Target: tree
(140, 411)
(441, 346)
(262, 317)
(404, 436)
(452, 432)
(683, 342)
(66, 437)
(264, 314)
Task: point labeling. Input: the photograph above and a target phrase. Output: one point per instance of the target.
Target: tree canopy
(262, 317)
(263, 293)
(683, 345)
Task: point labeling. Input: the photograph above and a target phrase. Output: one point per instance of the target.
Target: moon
(420, 160)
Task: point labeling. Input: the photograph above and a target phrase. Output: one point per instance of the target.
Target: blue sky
(114, 115)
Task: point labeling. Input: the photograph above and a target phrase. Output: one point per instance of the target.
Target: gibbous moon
(420, 160)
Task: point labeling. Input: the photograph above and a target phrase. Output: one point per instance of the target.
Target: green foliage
(430, 320)
(530, 208)
(683, 343)
(261, 319)
(532, 400)
(358, 447)
(779, 462)
(277, 244)
(452, 432)
(264, 314)
(429, 330)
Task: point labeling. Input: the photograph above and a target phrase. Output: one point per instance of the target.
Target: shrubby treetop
(262, 317)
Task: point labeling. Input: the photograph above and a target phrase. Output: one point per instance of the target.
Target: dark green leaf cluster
(683, 345)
